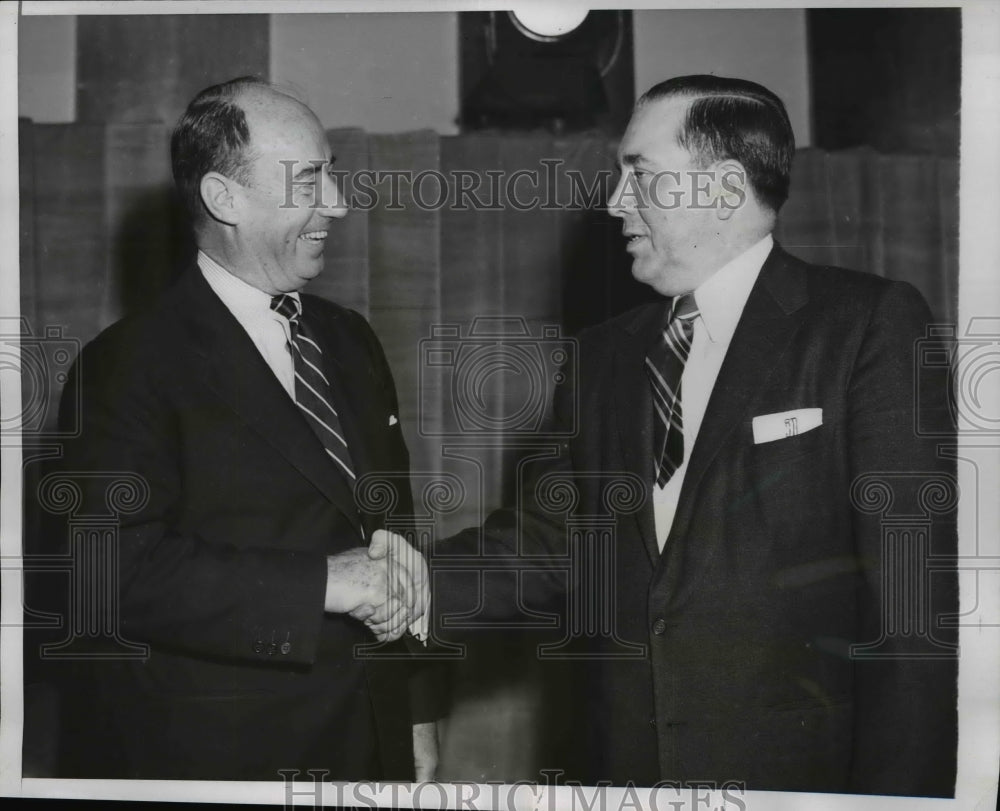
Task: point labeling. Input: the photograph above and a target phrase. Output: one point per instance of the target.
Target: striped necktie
(312, 389)
(665, 365)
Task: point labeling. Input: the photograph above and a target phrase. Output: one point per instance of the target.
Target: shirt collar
(242, 299)
(723, 295)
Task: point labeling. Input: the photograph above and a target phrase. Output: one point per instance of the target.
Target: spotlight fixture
(550, 66)
(546, 22)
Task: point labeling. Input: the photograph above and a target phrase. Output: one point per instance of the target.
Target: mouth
(633, 240)
(314, 237)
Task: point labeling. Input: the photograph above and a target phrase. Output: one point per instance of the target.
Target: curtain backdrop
(101, 236)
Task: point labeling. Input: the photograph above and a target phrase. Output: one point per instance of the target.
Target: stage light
(547, 22)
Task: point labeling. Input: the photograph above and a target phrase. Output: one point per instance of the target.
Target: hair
(211, 136)
(738, 120)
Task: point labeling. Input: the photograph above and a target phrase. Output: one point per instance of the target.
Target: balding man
(250, 410)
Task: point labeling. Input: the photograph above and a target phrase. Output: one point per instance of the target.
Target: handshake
(386, 586)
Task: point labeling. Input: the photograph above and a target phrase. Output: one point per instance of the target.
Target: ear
(732, 187)
(219, 197)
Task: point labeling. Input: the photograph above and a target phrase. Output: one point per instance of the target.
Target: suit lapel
(231, 366)
(634, 410)
(770, 319)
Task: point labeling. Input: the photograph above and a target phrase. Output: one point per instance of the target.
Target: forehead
(652, 131)
(283, 128)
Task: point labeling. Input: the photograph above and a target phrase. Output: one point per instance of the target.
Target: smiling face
(289, 202)
(673, 243)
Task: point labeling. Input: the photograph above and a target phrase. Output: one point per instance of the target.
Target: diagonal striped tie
(312, 389)
(665, 365)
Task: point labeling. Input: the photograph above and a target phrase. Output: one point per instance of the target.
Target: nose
(334, 202)
(618, 202)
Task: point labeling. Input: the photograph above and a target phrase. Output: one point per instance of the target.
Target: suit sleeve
(905, 682)
(526, 533)
(176, 590)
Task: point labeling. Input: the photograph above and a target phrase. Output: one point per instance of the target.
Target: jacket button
(286, 648)
(258, 647)
(659, 627)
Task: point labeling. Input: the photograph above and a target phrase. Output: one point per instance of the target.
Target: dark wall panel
(147, 235)
(71, 249)
(133, 68)
(888, 78)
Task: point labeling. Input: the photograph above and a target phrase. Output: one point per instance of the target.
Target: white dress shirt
(252, 308)
(720, 300)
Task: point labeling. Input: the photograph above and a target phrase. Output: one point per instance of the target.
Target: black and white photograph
(551, 406)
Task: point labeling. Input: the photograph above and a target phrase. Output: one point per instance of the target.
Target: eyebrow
(630, 159)
(314, 166)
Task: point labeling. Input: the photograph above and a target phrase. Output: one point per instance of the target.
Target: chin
(657, 280)
(646, 276)
(310, 270)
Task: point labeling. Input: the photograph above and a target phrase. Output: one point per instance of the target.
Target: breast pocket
(791, 447)
(794, 480)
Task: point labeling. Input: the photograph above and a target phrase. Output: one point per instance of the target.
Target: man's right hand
(391, 545)
(380, 592)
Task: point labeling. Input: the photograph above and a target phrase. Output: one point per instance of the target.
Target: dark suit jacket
(769, 573)
(223, 571)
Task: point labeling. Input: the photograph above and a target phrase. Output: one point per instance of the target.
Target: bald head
(216, 134)
(257, 97)
(273, 120)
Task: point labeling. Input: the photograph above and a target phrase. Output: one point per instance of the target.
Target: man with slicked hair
(250, 410)
(768, 628)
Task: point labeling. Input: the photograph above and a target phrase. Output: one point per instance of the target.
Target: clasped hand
(386, 586)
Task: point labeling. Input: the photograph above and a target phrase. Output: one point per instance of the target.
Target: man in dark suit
(249, 411)
(764, 406)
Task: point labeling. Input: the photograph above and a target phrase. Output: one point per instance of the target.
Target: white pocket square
(392, 420)
(784, 424)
